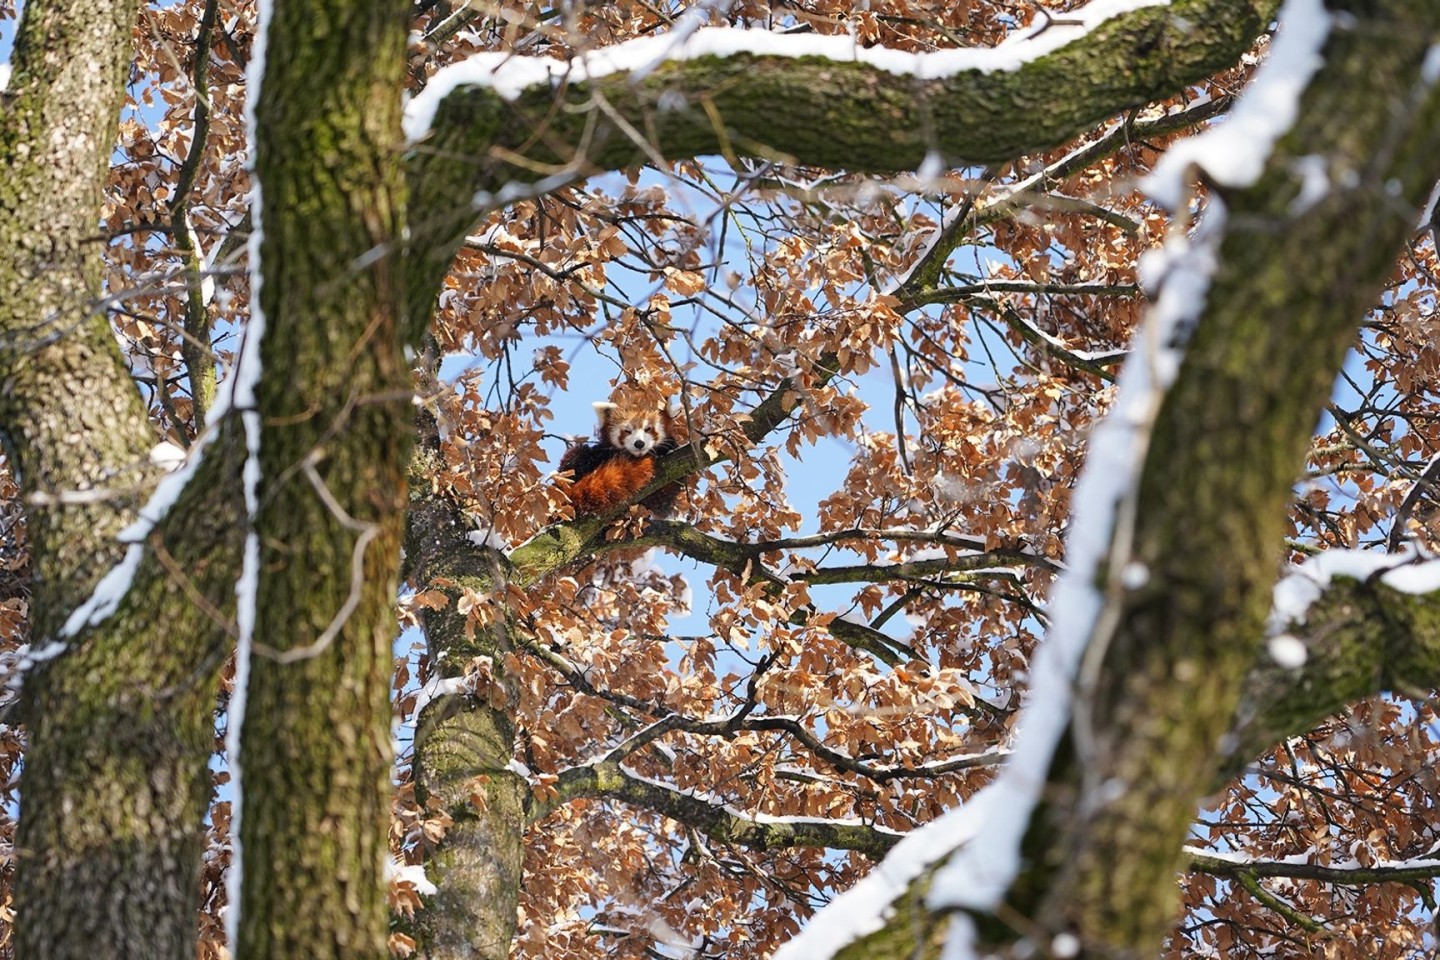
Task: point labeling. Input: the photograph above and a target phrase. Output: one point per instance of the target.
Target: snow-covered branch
(1296, 868)
(815, 100)
(1346, 625)
(966, 108)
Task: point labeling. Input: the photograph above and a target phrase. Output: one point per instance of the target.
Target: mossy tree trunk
(337, 422)
(119, 724)
(1295, 280)
(464, 746)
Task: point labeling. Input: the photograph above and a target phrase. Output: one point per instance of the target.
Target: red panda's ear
(602, 407)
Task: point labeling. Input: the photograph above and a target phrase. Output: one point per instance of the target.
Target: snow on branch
(509, 76)
(1297, 867)
(248, 371)
(1233, 153)
(1407, 571)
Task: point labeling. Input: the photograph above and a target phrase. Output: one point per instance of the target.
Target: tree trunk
(1294, 282)
(315, 754)
(117, 776)
(464, 748)
(120, 732)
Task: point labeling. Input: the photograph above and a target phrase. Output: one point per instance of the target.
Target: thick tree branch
(1362, 637)
(1228, 441)
(1186, 620)
(119, 726)
(847, 115)
(333, 431)
(70, 416)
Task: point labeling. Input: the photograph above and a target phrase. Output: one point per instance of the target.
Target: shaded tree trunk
(1294, 282)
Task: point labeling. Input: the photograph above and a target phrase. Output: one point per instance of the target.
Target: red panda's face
(636, 428)
(636, 437)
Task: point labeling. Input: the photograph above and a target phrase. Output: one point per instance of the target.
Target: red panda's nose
(639, 444)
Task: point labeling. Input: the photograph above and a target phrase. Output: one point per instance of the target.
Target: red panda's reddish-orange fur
(635, 430)
(611, 484)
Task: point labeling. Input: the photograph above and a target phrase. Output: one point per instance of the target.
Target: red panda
(634, 432)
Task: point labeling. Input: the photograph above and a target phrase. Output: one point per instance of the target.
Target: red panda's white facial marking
(636, 439)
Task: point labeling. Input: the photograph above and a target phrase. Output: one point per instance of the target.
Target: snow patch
(413, 874)
(167, 455)
(1288, 651)
(1417, 578)
(1314, 175)
(1428, 214)
(1065, 946)
(1233, 153)
(1304, 584)
(509, 76)
(242, 397)
(1429, 70)
(488, 538)
(105, 599)
(437, 687)
(1135, 575)
(14, 664)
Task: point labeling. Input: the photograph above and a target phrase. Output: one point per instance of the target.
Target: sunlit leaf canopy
(950, 336)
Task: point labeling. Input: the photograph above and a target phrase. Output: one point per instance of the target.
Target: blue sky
(7, 36)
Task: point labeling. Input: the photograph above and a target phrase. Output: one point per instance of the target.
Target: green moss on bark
(337, 426)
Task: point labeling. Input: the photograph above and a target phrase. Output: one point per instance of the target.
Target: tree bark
(1294, 281)
(464, 749)
(119, 726)
(1362, 638)
(334, 399)
(121, 731)
(75, 427)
